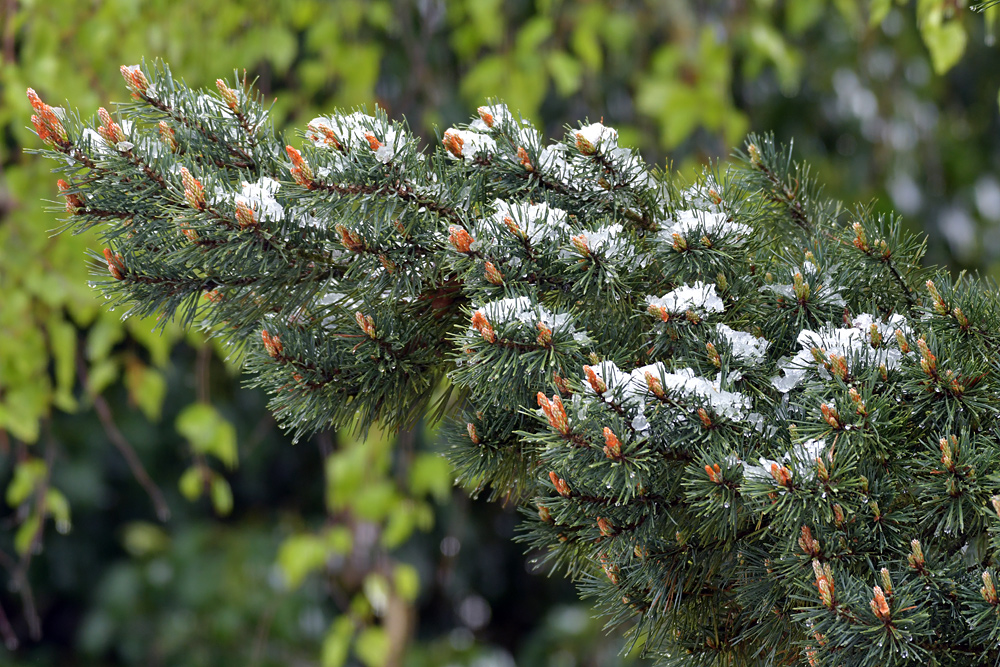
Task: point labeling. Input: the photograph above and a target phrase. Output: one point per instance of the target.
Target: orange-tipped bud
(782, 475)
(879, 606)
(610, 570)
(612, 446)
(109, 130)
(135, 79)
(679, 243)
(838, 367)
(245, 215)
(996, 505)
(228, 94)
(713, 355)
(215, 296)
(324, 133)
(838, 515)
(860, 239)
(580, 244)
(561, 383)
(940, 307)
(916, 557)
(658, 311)
(808, 543)
(471, 428)
(544, 338)
(525, 159)
(115, 264)
(714, 473)
(493, 274)
(73, 202)
(482, 325)
(272, 343)
(487, 117)
(366, 323)
(562, 488)
(544, 514)
(960, 317)
(928, 362)
(349, 239)
(373, 141)
(168, 136)
(605, 526)
(300, 170)
(584, 145)
(460, 239)
(554, 412)
(512, 227)
(655, 386)
(50, 129)
(706, 421)
(453, 142)
(387, 264)
(875, 336)
(194, 193)
(830, 416)
(989, 590)
(904, 347)
(596, 383)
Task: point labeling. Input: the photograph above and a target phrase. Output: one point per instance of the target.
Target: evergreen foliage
(740, 416)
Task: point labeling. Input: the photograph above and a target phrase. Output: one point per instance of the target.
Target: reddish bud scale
(989, 591)
(904, 347)
(808, 543)
(830, 416)
(928, 362)
(109, 130)
(579, 243)
(544, 338)
(560, 383)
(596, 383)
(486, 116)
(605, 526)
(300, 170)
(73, 202)
(562, 488)
(584, 145)
(782, 475)
(838, 367)
(50, 129)
(679, 243)
(272, 343)
(453, 142)
(838, 515)
(194, 193)
(860, 240)
(387, 263)
(715, 196)
(612, 446)
(168, 136)
(706, 421)
(349, 239)
(493, 275)
(228, 94)
(373, 141)
(460, 239)
(482, 325)
(879, 605)
(245, 215)
(946, 455)
(471, 428)
(525, 159)
(714, 473)
(655, 386)
(323, 133)
(135, 79)
(554, 412)
(115, 264)
(215, 296)
(544, 514)
(512, 227)
(366, 323)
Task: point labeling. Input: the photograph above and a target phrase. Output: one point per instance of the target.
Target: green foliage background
(327, 545)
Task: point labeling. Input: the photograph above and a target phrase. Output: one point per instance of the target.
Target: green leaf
(339, 539)
(62, 341)
(208, 432)
(25, 534)
(337, 642)
(877, 11)
(406, 581)
(58, 508)
(146, 387)
(27, 474)
(222, 495)
(190, 483)
(566, 72)
(141, 538)
(431, 474)
(372, 646)
(299, 555)
(946, 43)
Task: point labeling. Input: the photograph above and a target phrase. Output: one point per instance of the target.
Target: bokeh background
(153, 514)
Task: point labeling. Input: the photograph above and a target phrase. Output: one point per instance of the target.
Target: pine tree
(743, 418)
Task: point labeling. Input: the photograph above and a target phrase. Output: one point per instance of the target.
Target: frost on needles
(742, 418)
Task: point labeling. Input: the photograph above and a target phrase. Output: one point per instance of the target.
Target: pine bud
(584, 145)
(838, 367)
(349, 239)
(679, 244)
(109, 130)
(960, 317)
(482, 325)
(194, 193)
(453, 142)
(658, 311)
(228, 94)
(928, 362)
(879, 606)
(808, 543)
(373, 141)
(168, 136)
(692, 317)
(544, 514)
(883, 371)
(115, 264)
(544, 338)
(916, 557)
(560, 382)
(486, 116)
(714, 473)
(611, 571)
(801, 287)
(838, 515)
(471, 428)
(554, 412)
(946, 455)
(460, 239)
(874, 336)
(713, 355)
(605, 526)
(818, 355)
(989, 590)
(493, 275)
(782, 475)
(940, 307)
(135, 80)
(272, 344)
(73, 202)
(596, 383)
(245, 215)
(860, 240)
(655, 386)
(580, 244)
(301, 171)
(50, 129)
(562, 488)
(996, 505)
(513, 228)
(830, 416)
(904, 347)
(640, 552)
(525, 159)
(612, 446)
(316, 132)
(821, 472)
(721, 282)
(367, 324)
(706, 421)
(858, 402)
(754, 153)
(886, 581)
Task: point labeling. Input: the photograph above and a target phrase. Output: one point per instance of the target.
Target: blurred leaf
(299, 555)
(406, 581)
(208, 432)
(25, 534)
(566, 72)
(877, 11)
(431, 474)
(372, 646)
(339, 540)
(58, 508)
(946, 43)
(27, 474)
(800, 15)
(377, 590)
(141, 538)
(222, 495)
(147, 388)
(190, 483)
(337, 642)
